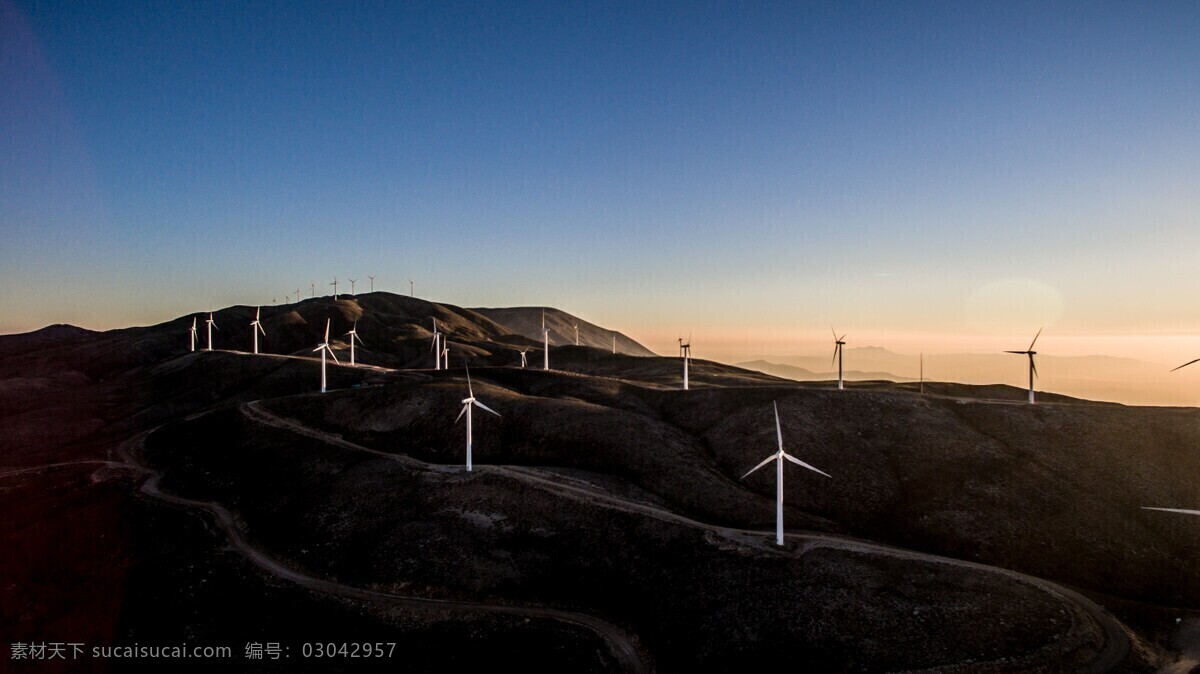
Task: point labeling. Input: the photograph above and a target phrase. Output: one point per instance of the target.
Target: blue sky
(739, 170)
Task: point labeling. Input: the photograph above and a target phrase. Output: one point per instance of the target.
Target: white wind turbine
(576, 334)
(545, 343)
(614, 343)
(312, 288)
(256, 327)
(437, 346)
(411, 289)
(352, 282)
(192, 334)
(1032, 368)
(211, 324)
(778, 457)
(323, 348)
(334, 284)
(372, 278)
(353, 334)
(523, 360)
(297, 296)
(838, 343)
(467, 403)
(445, 355)
(685, 351)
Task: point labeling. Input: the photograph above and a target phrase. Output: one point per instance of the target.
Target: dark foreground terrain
(156, 496)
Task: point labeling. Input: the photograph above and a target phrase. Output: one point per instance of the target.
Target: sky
(923, 176)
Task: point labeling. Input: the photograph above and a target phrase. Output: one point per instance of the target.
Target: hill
(527, 321)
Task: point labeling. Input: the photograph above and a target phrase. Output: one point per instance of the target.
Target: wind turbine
(545, 343)
(313, 288)
(323, 348)
(372, 282)
(297, 296)
(437, 346)
(334, 284)
(352, 282)
(524, 362)
(922, 373)
(411, 289)
(685, 350)
(192, 333)
(778, 457)
(1032, 368)
(614, 343)
(256, 327)
(211, 324)
(576, 334)
(353, 334)
(838, 343)
(467, 403)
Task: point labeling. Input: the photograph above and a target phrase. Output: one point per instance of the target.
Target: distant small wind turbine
(372, 282)
(685, 351)
(778, 457)
(353, 334)
(193, 334)
(838, 343)
(467, 403)
(614, 343)
(576, 334)
(334, 284)
(313, 288)
(1032, 368)
(437, 346)
(297, 296)
(545, 343)
(323, 348)
(211, 324)
(411, 289)
(256, 327)
(352, 282)
(922, 373)
(445, 355)
(523, 360)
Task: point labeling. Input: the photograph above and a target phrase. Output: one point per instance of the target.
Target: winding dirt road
(1116, 646)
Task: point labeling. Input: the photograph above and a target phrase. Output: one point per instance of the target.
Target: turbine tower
(838, 343)
(467, 403)
(334, 284)
(545, 343)
(211, 324)
(352, 282)
(353, 334)
(614, 343)
(323, 348)
(372, 278)
(778, 457)
(297, 296)
(312, 288)
(256, 327)
(411, 289)
(576, 334)
(445, 355)
(193, 333)
(1032, 368)
(524, 362)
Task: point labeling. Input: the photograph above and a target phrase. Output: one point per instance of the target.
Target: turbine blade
(260, 329)
(469, 389)
(326, 330)
(798, 462)
(1174, 510)
(461, 413)
(318, 348)
(778, 428)
(835, 350)
(486, 408)
(1033, 366)
(1186, 364)
(765, 461)
(1017, 352)
(1039, 334)
(331, 353)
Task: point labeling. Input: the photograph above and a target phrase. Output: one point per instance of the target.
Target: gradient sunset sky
(922, 175)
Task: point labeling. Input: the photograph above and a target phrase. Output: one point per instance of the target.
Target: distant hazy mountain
(527, 321)
(802, 374)
(1124, 380)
